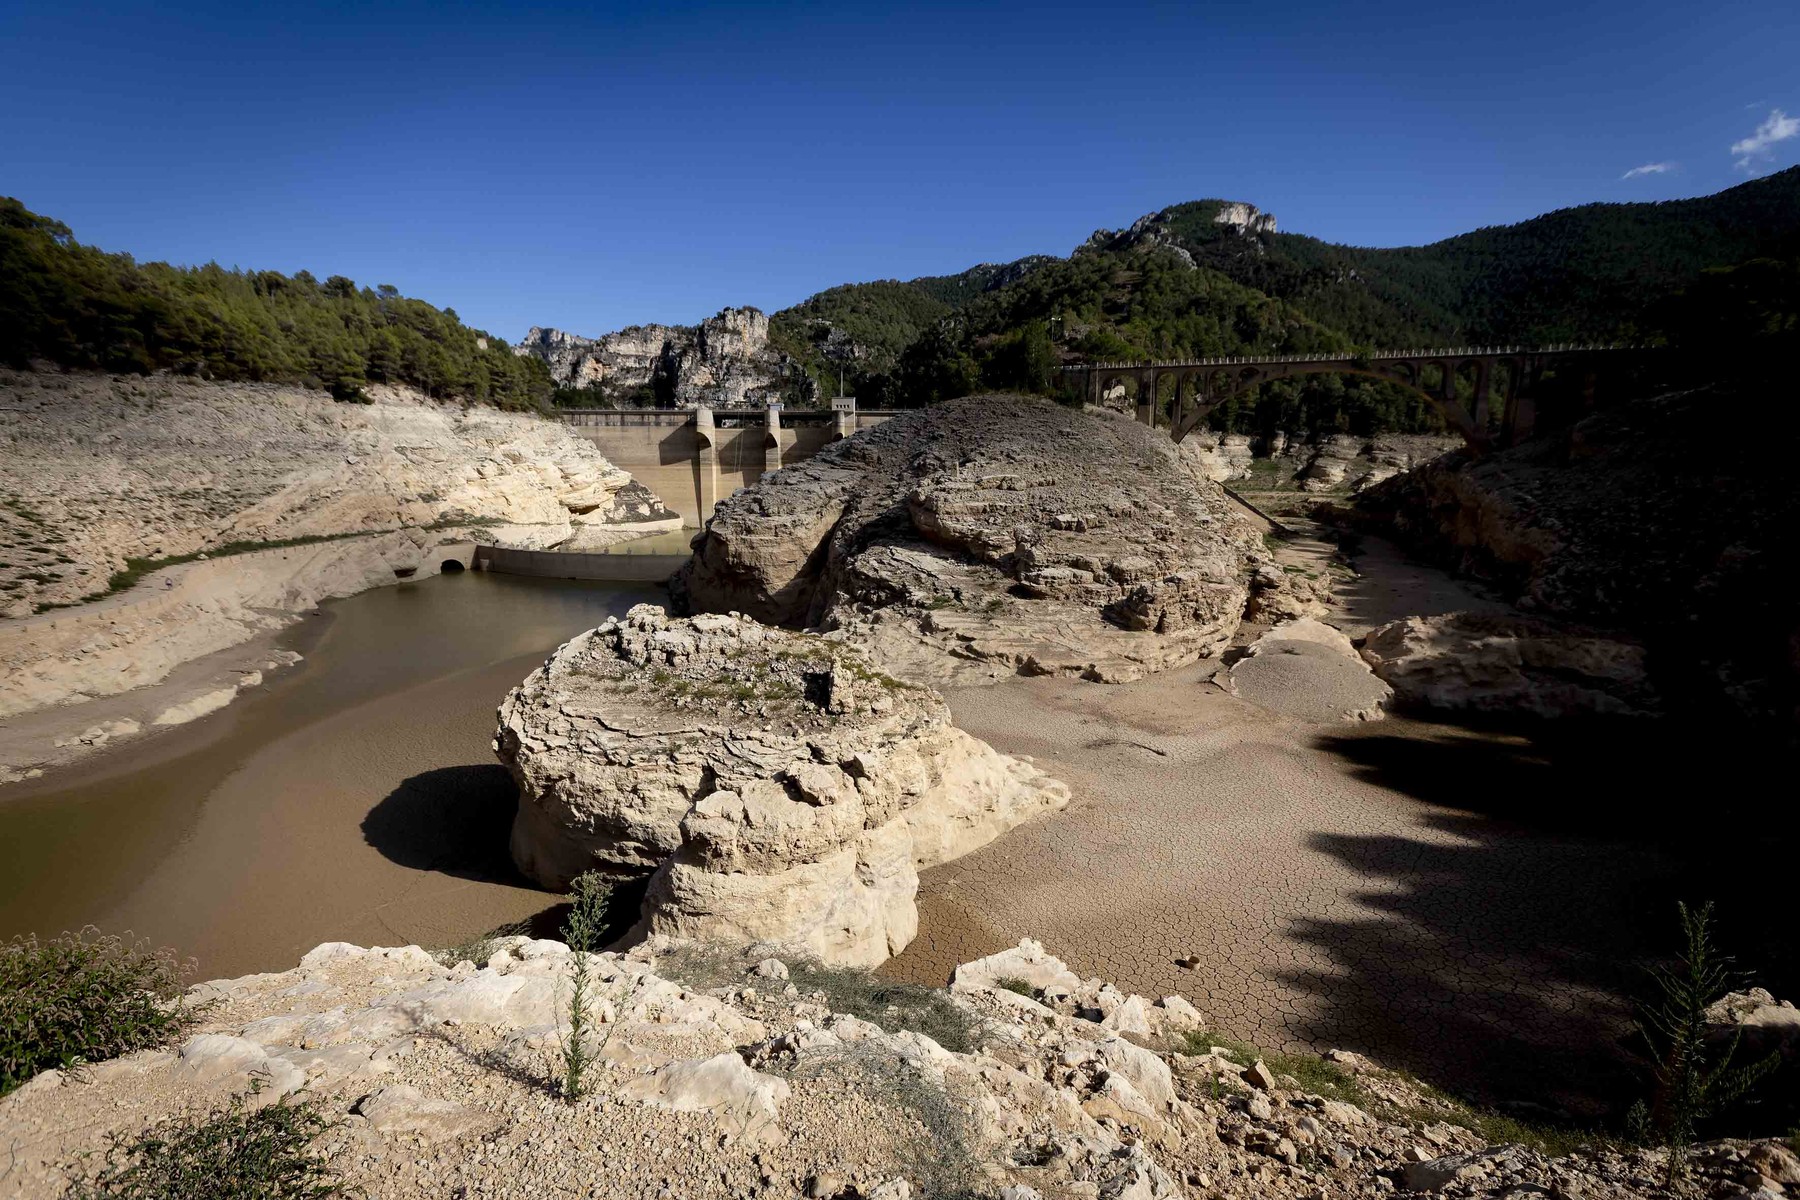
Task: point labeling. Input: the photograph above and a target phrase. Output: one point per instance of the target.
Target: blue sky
(593, 167)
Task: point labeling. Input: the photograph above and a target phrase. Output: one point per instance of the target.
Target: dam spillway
(693, 458)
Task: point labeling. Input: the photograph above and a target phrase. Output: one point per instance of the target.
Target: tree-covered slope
(80, 307)
(1591, 273)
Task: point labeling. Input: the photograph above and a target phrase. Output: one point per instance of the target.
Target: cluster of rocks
(737, 1075)
(1001, 532)
(772, 785)
(1335, 464)
(1618, 522)
(726, 360)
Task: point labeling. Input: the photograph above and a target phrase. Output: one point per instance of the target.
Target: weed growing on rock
(1692, 1073)
(230, 1153)
(478, 950)
(1017, 986)
(590, 896)
(83, 998)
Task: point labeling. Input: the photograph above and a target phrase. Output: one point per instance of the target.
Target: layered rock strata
(99, 472)
(774, 786)
(998, 531)
(724, 361)
(99, 469)
(1502, 663)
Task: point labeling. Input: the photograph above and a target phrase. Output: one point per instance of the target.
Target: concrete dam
(693, 458)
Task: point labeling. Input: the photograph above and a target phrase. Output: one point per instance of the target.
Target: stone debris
(988, 535)
(746, 1103)
(774, 786)
(717, 1090)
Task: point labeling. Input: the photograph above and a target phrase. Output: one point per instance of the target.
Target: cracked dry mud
(1332, 893)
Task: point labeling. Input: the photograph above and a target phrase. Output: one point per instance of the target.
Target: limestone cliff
(724, 361)
(98, 472)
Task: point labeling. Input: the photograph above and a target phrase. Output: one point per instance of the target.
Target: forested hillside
(1592, 273)
(1183, 283)
(80, 307)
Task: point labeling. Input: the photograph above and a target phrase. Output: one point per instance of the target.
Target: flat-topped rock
(778, 785)
(997, 530)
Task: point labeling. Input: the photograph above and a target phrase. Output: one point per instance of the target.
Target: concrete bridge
(1485, 393)
(692, 458)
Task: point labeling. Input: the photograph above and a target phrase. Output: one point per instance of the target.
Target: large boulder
(998, 530)
(1507, 663)
(775, 785)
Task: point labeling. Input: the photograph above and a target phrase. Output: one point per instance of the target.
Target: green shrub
(82, 998)
(1693, 1075)
(590, 899)
(230, 1153)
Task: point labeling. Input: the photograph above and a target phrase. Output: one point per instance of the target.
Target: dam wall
(693, 458)
(555, 564)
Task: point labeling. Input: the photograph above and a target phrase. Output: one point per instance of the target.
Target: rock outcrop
(98, 469)
(724, 361)
(715, 1078)
(779, 787)
(1503, 663)
(99, 473)
(1622, 521)
(998, 532)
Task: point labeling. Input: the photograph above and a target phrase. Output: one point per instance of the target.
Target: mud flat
(355, 795)
(1459, 902)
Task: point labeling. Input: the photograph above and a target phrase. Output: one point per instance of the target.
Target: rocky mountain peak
(725, 361)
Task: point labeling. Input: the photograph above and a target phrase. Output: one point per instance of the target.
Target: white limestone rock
(779, 787)
(992, 534)
(1503, 663)
(747, 1103)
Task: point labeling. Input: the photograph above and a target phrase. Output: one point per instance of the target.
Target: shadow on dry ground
(1637, 810)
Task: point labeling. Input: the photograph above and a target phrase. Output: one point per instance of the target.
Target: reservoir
(355, 798)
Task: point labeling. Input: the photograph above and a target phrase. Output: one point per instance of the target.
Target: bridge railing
(725, 418)
(1451, 352)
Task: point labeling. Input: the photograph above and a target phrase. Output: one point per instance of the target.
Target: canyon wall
(724, 361)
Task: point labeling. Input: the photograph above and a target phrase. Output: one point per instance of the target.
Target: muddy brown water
(355, 798)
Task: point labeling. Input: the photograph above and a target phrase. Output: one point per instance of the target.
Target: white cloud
(1779, 127)
(1661, 168)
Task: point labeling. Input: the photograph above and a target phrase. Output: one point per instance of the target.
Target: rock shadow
(1498, 953)
(453, 820)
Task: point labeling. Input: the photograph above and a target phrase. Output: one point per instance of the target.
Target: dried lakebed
(1379, 887)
